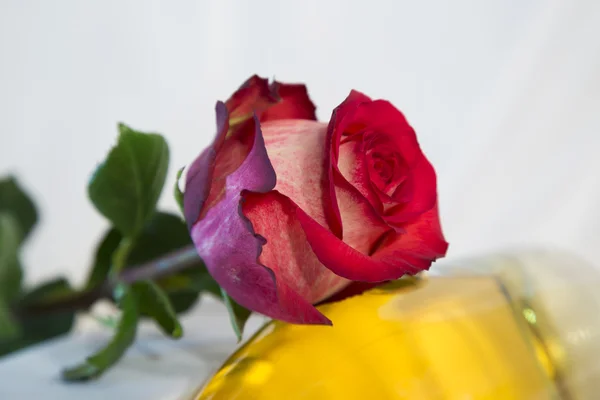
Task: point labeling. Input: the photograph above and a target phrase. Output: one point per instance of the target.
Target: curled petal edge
(226, 241)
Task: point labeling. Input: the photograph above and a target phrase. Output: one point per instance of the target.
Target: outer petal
(200, 174)
(270, 101)
(253, 97)
(206, 177)
(205, 181)
(228, 245)
(294, 103)
(287, 252)
(402, 253)
(419, 244)
(345, 261)
(353, 289)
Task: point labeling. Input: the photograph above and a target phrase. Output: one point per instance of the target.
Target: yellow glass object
(491, 328)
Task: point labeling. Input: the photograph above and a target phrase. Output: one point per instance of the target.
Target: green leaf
(163, 234)
(177, 193)
(103, 258)
(120, 257)
(184, 288)
(14, 200)
(153, 302)
(11, 273)
(238, 315)
(9, 329)
(38, 328)
(126, 186)
(166, 233)
(206, 283)
(125, 334)
(48, 291)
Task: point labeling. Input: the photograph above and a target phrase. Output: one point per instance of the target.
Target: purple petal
(226, 241)
(199, 176)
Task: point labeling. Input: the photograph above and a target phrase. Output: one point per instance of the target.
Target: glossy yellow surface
(443, 338)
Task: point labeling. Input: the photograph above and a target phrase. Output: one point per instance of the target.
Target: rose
(286, 211)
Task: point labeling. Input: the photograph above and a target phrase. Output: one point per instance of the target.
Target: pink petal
(225, 239)
(296, 150)
(287, 252)
(353, 167)
(335, 129)
(362, 225)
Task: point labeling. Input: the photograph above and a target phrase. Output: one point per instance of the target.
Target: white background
(504, 95)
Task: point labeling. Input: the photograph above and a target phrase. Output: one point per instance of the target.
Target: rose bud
(286, 211)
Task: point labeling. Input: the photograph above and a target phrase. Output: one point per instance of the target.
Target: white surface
(154, 368)
(504, 95)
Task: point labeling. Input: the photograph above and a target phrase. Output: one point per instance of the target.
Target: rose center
(384, 167)
(387, 170)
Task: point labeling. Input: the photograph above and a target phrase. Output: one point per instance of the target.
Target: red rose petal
(253, 97)
(286, 251)
(270, 101)
(419, 244)
(421, 181)
(362, 224)
(335, 129)
(294, 103)
(404, 253)
(383, 118)
(354, 168)
(353, 289)
(345, 261)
